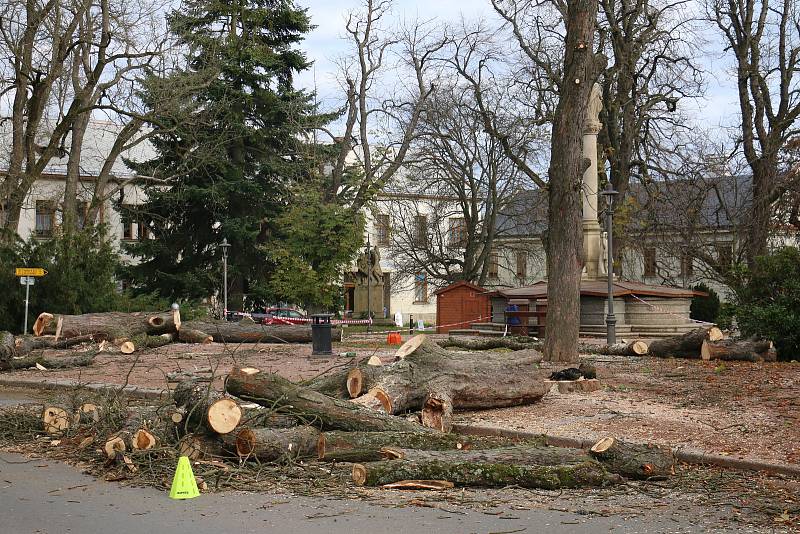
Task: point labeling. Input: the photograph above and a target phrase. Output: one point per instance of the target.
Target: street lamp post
(369, 285)
(611, 320)
(224, 246)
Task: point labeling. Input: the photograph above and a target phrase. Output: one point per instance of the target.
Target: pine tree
(231, 154)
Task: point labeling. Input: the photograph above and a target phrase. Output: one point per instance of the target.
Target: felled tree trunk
(687, 345)
(513, 343)
(634, 461)
(190, 335)
(369, 446)
(308, 405)
(202, 447)
(269, 444)
(634, 348)
(11, 346)
(109, 325)
(466, 471)
(346, 383)
(206, 407)
(430, 376)
(228, 332)
(738, 350)
(50, 362)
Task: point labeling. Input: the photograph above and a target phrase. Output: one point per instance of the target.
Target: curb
(97, 387)
(686, 455)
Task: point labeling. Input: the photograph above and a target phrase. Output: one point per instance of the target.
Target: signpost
(27, 276)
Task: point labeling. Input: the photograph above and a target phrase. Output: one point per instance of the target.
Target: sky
(325, 43)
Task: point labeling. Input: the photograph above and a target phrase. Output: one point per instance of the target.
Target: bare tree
(380, 118)
(463, 186)
(63, 61)
(764, 38)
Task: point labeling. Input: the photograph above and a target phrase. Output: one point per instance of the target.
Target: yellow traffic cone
(184, 486)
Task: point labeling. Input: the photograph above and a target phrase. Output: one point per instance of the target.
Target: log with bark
(747, 350)
(346, 383)
(633, 460)
(207, 408)
(511, 342)
(268, 444)
(109, 325)
(633, 348)
(687, 345)
(190, 335)
(134, 435)
(200, 446)
(437, 381)
(310, 406)
(230, 332)
(369, 446)
(483, 471)
(49, 362)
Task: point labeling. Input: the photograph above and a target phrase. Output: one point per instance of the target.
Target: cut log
(738, 350)
(201, 447)
(325, 412)
(437, 410)
(109, 325)
(634, 461)
(88, 414)
(687, 345)
(143, 439)
(420, 485)
(228, 332)
(268, 444)
(342, 383)
(451, 380)
(367, 446)
(56, 419)
(127, 347)
(54, 362)
(262, 417)
(633, 348)
(512, 343)
(190, 335)
(206, 407)
(463, 472)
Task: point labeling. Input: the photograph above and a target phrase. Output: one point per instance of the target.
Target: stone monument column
(592, 234)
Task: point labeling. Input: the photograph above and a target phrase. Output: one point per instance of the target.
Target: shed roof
(460, 283)
(599, 288)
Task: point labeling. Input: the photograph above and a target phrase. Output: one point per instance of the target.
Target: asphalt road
(48, 497)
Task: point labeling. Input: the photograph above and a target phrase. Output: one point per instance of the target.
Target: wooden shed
(461, 304)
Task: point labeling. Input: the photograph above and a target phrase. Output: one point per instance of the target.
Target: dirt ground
(748, 410)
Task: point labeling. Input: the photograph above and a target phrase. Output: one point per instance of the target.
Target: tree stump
(634, 461)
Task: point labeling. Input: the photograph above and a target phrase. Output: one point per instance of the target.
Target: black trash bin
(321, 334)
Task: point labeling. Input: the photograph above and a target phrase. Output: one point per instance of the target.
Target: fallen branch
(687, 345)
(738, 350)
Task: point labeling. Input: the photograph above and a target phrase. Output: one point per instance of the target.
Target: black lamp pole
(611, 320)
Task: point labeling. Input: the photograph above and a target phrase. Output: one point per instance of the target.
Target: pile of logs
(366, 416)
(705, 342)
(130, 332)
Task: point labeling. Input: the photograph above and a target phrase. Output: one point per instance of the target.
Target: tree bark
(109, 325)
(469, 472)
(564, 241)
(687, 345)
(634, 348)
(634, 461)
(368, 446)
(738, 350)
(227, 332)
(189, 335)
(310, 406)
(267, 444)
(345, 383)
(207, 408)
(513, 343)
(431, 376)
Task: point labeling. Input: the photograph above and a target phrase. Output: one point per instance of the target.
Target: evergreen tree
(232, 154)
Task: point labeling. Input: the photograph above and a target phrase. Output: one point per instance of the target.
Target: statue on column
(594, 108)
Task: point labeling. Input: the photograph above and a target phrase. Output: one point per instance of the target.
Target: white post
(591, 227)
(27, 299)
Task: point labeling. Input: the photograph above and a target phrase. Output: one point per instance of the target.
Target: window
(494, 264)
(458, 232)
(522, 264)
(421, 230)
(724, 257)
(82, 210)
(45, 218)
(649, 262)
(687, 265)
(126, 219)
(382, 228)
(420, 288)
